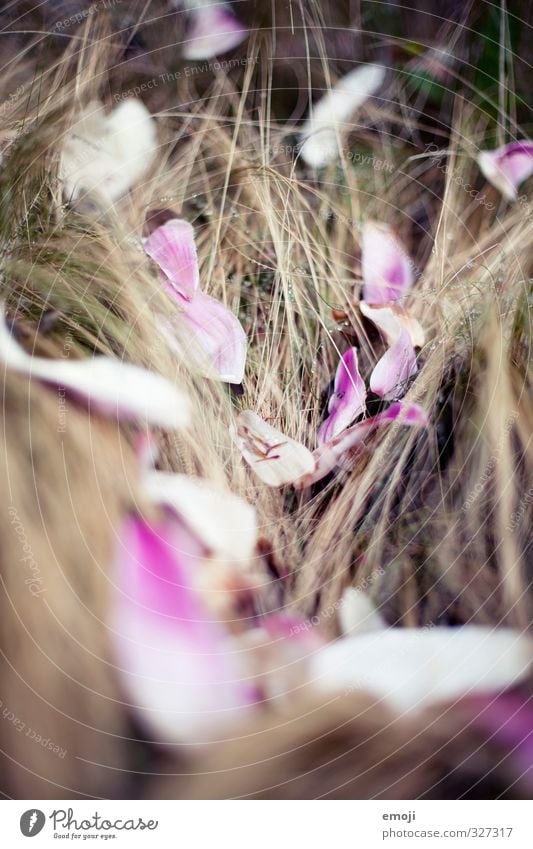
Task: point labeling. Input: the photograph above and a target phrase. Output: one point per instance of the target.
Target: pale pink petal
(172, 247)
(109, 386)
(389, 377)
(328, 456)
(508, 166)
(274, 457)
(390, 318)
(214, 337)
(387, 269)
(177, 666)
(214, 31)
(348, 398)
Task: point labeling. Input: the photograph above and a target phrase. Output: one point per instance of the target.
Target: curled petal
(507, 166)
(390, 318)
(412, 668)
(329, 455)
(177, 665)
(393, 370)
(348, 398)
(387, 269)
(225, 523)
(110, 386)
(214, 337)
(172, 247)
(103, 156)
(331, 112)
(214, 31)
(274, 457)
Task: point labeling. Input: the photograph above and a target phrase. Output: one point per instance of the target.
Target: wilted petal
(225, 523)
(414, 667)
(274, 457)
(387, 269)
(390, 318)
(172, 247)
(389, 377)
(328, 456)
(331, 112)
(214, 337)
(348, 398)
(103, 156)
(177, 666)
(214, 31)
(507, 166)
(108, 385)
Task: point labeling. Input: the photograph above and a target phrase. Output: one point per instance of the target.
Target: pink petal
(177, 666)
(328, 456)
(348, 398)
(274, 457)
(387, 269)
(214, 337)
(214, 31)
(396, 366)
(172, 247)
(508, 166)
(390, 318)
(110, 386)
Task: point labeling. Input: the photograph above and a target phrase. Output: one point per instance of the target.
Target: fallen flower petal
(390, 318)
(111, 386)
(412, 668)
(178, 667)
(172, 247)
(507, 166)
(348, 398)
(387, 269)
(393, 370)
(214, 31)
(320, 132)
(328, 456)
(274, 457)
(225, 523)
(103, 156)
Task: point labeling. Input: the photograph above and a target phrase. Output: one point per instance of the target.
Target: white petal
(274, 457)
(111, 386)
(332, 111)
(225, 523)
(411, 668)
(357, 613)
(390, 318)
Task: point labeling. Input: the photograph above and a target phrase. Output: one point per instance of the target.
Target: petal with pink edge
(274, 457)
(396, 366)
(109, 386)
(214, 31)
(178, 667)
(348, 398)
(507, 166)
(172, 247)
(390, 318)
(386, 267)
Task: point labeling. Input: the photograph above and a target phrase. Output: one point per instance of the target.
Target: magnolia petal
(177, 666)
(411, 668)
(332, 111)
(274, 457)
(390, 318)
(225, 523)
(507, 166)
(103, 156)
(348, 398)
(386, 267)
(328, 456)
(111, 386)
(172, 247)
(214, 337)
(214, 31)
(357, 614)
(393, 370)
